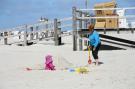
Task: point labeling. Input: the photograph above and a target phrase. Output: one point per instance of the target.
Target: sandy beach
(28, 29)
(116, 72)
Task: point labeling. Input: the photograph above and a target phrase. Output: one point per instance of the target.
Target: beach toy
(71, 70)
(82, 70)
(89, 60)
(77, 70)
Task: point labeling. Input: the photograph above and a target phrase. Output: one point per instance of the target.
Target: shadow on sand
(99, 63)
(108, 47)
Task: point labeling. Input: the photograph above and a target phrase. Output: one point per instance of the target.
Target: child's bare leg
(96, 61)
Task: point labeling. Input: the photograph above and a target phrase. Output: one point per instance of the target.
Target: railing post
(132, 30)
(104, 30)
(0, 36)
(118, 30)
(59, 32)
(55, 33)
(31, 33)
(36, 32)
(19, 33)
(80, 27)
(46, 25)
(25, 36)
(5, 38)
(86, 21)
(74, 25)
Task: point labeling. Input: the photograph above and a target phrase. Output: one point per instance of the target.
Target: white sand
(117, 72)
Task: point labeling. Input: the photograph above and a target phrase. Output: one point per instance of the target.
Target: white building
(133, 24)
(122, 22)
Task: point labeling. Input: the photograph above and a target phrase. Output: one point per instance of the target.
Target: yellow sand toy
(82, 70)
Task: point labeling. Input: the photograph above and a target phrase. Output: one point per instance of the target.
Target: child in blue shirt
(94, 42)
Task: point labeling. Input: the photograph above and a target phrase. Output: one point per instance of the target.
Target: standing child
(94, 42)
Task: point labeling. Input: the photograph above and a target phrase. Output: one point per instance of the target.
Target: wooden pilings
(25, 36)
(57, 33)
(118, 30)
(31, 34)
(104, 31)
(80, 27)
(5, 38)
(37, 33)
(132, 30)
(74, 25)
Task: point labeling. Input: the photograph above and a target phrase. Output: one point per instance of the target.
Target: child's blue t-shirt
(94, 39)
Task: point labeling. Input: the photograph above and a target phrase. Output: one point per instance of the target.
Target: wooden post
(55, 33)
(132, 30)
(5, 38)
(80, 27)
(59, 32)
(74, 25)
(104, 30)
(25, 36)
(118, 30)
(46, 25)
(36, 32)
(19, 34)
(46, 33)
(31, 34)
(0, 36)
(86, 21)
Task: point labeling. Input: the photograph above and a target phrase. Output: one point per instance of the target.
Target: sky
(18, 12)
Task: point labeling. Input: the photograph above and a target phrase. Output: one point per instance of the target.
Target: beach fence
(27, 33)
(105, 20)
(33, 33)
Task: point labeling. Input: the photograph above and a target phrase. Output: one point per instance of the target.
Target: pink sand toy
(49, 63)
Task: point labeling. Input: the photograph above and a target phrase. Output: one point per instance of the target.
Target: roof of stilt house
(111, 4)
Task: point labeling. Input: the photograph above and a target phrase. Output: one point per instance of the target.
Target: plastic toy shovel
(89, 60)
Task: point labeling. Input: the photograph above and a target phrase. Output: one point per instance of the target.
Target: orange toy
(89, 60)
